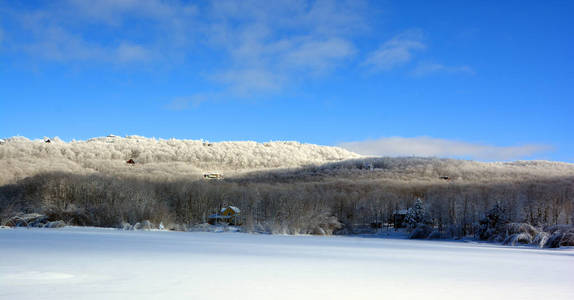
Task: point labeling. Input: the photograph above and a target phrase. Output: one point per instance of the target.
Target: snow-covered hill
(159, 158)
(428, 169)
(283, 186)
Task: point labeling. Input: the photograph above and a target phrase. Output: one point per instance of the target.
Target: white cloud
(257, 47)
(434, 147)
(396, 51)
(58, 30)
(319, 55)
(284, 40)
(424, 69)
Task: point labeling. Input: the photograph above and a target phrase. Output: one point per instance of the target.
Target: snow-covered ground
(90, 263)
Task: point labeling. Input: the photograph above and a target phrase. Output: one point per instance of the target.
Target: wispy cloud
(255, 47)
(434, 147)
(424, 69)
(396, 51)
(260, 47)
(117, 12)
(193, 101)
(247, 82)
(127, 52)
(318, 55)
(57, 30)
(264, 58)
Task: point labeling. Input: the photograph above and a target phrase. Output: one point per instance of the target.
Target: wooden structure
(130, 162)
(230, 215)
(399, 217)
(213, 176)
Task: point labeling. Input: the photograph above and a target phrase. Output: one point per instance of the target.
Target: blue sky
(485, 80)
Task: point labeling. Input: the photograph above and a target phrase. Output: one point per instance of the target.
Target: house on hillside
(213, 176)
(228, 215)
(399, 217)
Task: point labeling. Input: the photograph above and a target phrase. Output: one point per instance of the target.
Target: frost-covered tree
(492, 225)
(297, 188)
(416, 214)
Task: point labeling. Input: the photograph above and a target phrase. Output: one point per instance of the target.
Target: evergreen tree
(415, 215)
(492, 225)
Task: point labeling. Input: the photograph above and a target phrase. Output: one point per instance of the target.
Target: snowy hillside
(281, 187)
(159, 158)
(411, 169)
(88, 263)
(190, 159)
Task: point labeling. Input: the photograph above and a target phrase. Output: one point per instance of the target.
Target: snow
(235, 209)
(21, 157)
(92, 263)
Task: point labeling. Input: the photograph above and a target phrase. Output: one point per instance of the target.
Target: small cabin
(230, 211)
(228, 215)
(130, 162)
(213, 176)
(399, 217)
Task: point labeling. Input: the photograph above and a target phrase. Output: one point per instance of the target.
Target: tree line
(326, 205)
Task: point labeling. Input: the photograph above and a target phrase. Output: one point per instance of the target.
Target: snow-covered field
(90, 263)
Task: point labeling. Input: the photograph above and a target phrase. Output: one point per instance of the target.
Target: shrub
(567, 239)
(72, 217)
(562, 235)
(496, 238)
(518, 228)
(554, 240)
(32, 220)
(422, 231)
(437, 235)
(541, 239)
(147, 225)
(563, 228)
(55, 224)
(518, 238)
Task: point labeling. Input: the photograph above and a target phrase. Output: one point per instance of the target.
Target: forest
(324, 190)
